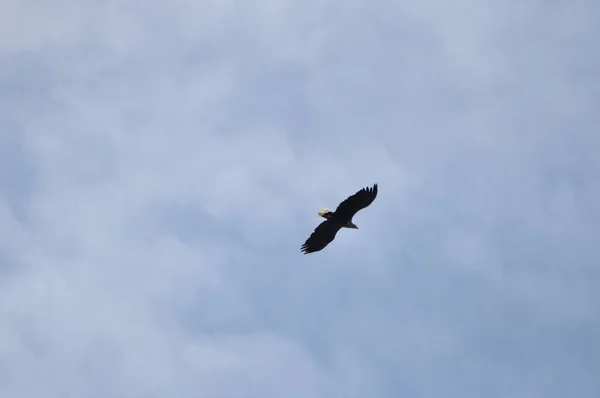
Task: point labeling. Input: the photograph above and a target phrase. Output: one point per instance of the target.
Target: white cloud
(168, 160)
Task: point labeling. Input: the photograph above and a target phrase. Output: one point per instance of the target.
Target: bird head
(325, 213)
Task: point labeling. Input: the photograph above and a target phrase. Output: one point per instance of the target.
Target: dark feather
(325, 233)
(349, 207)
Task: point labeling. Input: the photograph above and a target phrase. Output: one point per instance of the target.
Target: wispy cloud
(162, 162)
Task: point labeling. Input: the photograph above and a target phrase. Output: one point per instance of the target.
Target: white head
(323, 213)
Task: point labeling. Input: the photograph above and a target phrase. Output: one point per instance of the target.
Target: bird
(325, 232)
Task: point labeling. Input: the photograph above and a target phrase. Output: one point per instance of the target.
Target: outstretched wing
(349, 207)
(323, 235)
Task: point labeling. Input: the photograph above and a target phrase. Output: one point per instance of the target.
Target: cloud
(162, 164)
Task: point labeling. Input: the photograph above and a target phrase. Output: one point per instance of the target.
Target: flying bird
(325, 233)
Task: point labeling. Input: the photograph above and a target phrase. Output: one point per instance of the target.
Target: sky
(161, 163)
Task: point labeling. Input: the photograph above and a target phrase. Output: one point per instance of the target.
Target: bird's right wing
(323, 235)
(356, 202)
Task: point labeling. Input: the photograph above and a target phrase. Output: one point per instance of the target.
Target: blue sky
(161, 164)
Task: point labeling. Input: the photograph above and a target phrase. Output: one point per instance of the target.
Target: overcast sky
(162, 162)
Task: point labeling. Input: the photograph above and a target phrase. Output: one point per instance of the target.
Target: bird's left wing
(323, 235)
